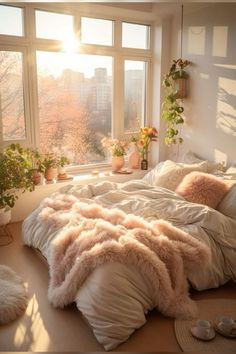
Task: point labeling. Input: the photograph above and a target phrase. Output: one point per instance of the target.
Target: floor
(44, 328)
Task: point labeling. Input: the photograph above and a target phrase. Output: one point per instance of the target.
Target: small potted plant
(62, 162)
(37, 168)
(14, 176)
(118, 149)
(49, 164)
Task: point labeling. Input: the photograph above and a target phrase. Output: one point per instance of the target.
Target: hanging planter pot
(180, 86)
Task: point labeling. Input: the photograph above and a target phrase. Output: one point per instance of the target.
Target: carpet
(211, 310)
(13, 295)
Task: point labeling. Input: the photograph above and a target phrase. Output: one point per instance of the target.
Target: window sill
(95, 176)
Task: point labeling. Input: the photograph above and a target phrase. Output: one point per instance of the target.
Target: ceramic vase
(134, 158)
(117, 163)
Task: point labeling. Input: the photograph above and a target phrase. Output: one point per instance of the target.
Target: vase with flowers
(118, 149)
(146, 136)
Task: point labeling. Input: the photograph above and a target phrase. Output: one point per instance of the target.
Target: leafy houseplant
(49, 165)
(14, 175)
(172, 106)
(36, 164)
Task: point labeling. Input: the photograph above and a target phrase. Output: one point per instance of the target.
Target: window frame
(29, 43)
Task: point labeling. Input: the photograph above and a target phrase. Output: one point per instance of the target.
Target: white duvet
(115, 298)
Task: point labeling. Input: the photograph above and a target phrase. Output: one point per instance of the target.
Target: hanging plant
(172, 105)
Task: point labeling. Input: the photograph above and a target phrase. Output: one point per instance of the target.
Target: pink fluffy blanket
(93, 235)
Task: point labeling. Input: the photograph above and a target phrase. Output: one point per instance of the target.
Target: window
(51, 25)
(74, 92)
(135, 36)
(96, 31)
(62, 88)
(135, 94)
(11, 96)
(11, 20)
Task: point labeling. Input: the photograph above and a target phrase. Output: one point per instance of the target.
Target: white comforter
(115, 298)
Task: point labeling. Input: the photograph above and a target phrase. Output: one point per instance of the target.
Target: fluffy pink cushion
(202, 188)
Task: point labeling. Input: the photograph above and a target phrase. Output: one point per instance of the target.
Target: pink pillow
(202, 188)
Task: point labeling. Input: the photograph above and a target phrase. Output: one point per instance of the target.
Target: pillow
(202, 188)
(151, 175)
(231, 170)
(172, 173)
(227, 205)
(191, 158)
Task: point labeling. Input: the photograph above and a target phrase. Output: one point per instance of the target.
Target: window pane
(96, 31)
(135, 36)
(11, 20)
(11, 96)
(135, 94)
(74, 93)
(51, 25)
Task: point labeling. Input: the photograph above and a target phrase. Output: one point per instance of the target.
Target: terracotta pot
(5, 216)
(50, 174)
(117, 163)
(36, 176)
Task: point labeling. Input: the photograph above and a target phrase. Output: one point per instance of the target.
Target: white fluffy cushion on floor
(13, 297)
(172, 173)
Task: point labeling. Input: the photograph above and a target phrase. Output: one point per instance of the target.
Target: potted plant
(14, 176)
(37, 167)
(118, 149)
(49, 164)
(172, 106)
(62, 162)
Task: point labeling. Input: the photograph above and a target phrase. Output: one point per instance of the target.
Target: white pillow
(212, 167)
(172, 173)
(190, 157)
(228, 204)
(231, 170)
(151, 175)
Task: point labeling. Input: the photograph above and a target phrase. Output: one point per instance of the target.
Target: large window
(62, 87)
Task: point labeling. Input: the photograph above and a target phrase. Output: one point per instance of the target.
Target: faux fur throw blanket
(93, 235)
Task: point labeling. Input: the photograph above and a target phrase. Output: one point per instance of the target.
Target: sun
(70, 44)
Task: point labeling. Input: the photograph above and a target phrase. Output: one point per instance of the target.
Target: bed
(121, 250)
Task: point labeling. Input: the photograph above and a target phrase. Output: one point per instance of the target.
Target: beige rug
(210, 310)
(13, 296)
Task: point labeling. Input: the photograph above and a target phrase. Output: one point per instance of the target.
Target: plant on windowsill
(172, 108)
(37, 168)
(117, 148)
(49, 165)
(15, 176)
(62, 162)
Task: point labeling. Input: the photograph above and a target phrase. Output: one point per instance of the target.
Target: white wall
(209, 42)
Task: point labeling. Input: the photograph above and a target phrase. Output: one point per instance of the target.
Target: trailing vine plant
(172, 108)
